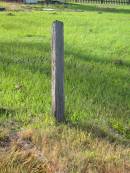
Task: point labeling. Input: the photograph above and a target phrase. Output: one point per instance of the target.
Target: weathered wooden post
(58, 70)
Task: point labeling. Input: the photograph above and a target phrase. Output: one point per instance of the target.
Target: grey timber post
(58, 70)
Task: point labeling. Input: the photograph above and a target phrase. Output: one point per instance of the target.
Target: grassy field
(97, 90)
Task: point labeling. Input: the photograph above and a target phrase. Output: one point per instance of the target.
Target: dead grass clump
(65, 150)
(72, 150)
(4, 138)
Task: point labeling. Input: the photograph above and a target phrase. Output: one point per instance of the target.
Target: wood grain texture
(58, 70)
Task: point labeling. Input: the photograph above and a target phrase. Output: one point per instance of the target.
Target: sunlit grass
(97, 80)
(96, 87)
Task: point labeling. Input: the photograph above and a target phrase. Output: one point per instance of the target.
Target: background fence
(121, 2)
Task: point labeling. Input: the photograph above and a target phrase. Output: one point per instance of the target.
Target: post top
(58, 22)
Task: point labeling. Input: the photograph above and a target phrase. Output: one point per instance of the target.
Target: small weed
(10, 14)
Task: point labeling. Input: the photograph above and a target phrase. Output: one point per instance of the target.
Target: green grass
(97, 63)
(96, 88)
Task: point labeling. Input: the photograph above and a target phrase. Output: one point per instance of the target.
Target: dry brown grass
(62, 149)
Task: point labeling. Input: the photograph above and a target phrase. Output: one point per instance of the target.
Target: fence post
(58, 70)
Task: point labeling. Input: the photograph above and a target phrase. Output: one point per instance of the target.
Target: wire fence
(121, 2)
